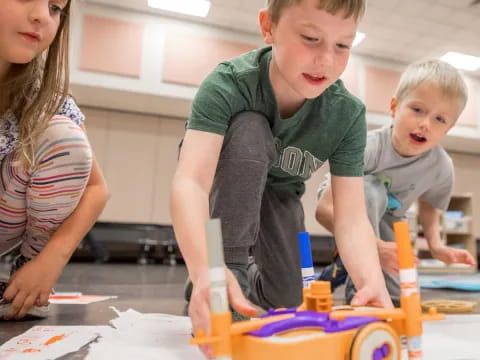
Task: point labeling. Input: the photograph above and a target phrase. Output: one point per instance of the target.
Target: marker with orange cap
(221, 317)
(410, 295)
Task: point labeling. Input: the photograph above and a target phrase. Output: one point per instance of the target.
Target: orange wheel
(375, 341)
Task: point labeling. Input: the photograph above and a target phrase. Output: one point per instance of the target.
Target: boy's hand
(451, 255)
(369, 295)
(387, 253)
(199, 309)
(31, 285)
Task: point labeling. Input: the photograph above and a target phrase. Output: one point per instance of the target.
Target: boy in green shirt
(260, 125)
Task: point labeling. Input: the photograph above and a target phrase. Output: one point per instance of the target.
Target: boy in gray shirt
(405, 163)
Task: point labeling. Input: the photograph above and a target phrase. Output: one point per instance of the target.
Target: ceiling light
(189, 7)
(358, 38)
(462, 61)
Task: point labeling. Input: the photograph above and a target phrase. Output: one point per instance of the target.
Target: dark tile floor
(145, 288)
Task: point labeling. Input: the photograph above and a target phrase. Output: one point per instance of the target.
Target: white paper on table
(166, 337)
(146, 336)
(49, 342)
(60, 298)
(455, 338)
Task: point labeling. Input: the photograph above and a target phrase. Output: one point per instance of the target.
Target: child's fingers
(367, 297)
(457, 256)
(42, 299)
(393, 270)
(362, 298)
(27, 304)
(237, 299)
(450, 256)
(467, 258)
(199, 313)
(10, 292)
(16, 305)
(472, 259)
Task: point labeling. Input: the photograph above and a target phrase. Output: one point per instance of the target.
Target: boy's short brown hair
(355, 8)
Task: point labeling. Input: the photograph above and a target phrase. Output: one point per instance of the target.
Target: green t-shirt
(330, 127)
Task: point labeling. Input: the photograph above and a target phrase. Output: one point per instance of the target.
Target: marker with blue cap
(308, 274)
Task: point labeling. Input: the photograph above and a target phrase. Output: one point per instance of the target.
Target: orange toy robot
(314, 331)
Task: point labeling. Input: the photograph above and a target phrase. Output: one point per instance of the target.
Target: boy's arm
(189, 201)
(429, 218)
(189, 207)
(354, 236)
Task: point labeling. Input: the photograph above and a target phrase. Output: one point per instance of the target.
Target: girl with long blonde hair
(51, 188)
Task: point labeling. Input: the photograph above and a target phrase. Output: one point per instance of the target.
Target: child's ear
(393, 106)
(265, 21)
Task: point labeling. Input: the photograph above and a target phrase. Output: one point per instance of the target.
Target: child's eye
(309, 38)
(343, 46)
(416, 109)
(441, 119)
(55, 9)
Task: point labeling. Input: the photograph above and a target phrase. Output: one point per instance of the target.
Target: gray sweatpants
(257, 219)
(376, 198)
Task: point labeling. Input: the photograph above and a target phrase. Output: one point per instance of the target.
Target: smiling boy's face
(311, 48)
(422, 119)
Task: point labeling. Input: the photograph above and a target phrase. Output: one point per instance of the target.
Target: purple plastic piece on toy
(350, 322)
(308, 319)
(381, 353)
(273, 312)
(302, 319)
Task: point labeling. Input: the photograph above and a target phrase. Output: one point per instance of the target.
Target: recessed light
(462, 61)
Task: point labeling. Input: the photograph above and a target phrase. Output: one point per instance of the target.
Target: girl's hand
(31, 285)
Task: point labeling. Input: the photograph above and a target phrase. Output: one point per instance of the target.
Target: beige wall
(467, 179)
(138, 155)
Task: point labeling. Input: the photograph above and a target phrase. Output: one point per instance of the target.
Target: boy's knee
(280, 292)
(289, 296)
(250, 136)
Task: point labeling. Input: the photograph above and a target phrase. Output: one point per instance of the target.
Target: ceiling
(397, 30)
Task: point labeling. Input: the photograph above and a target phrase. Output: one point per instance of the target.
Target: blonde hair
(35, 91)
(434, 72)
(355, 8)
